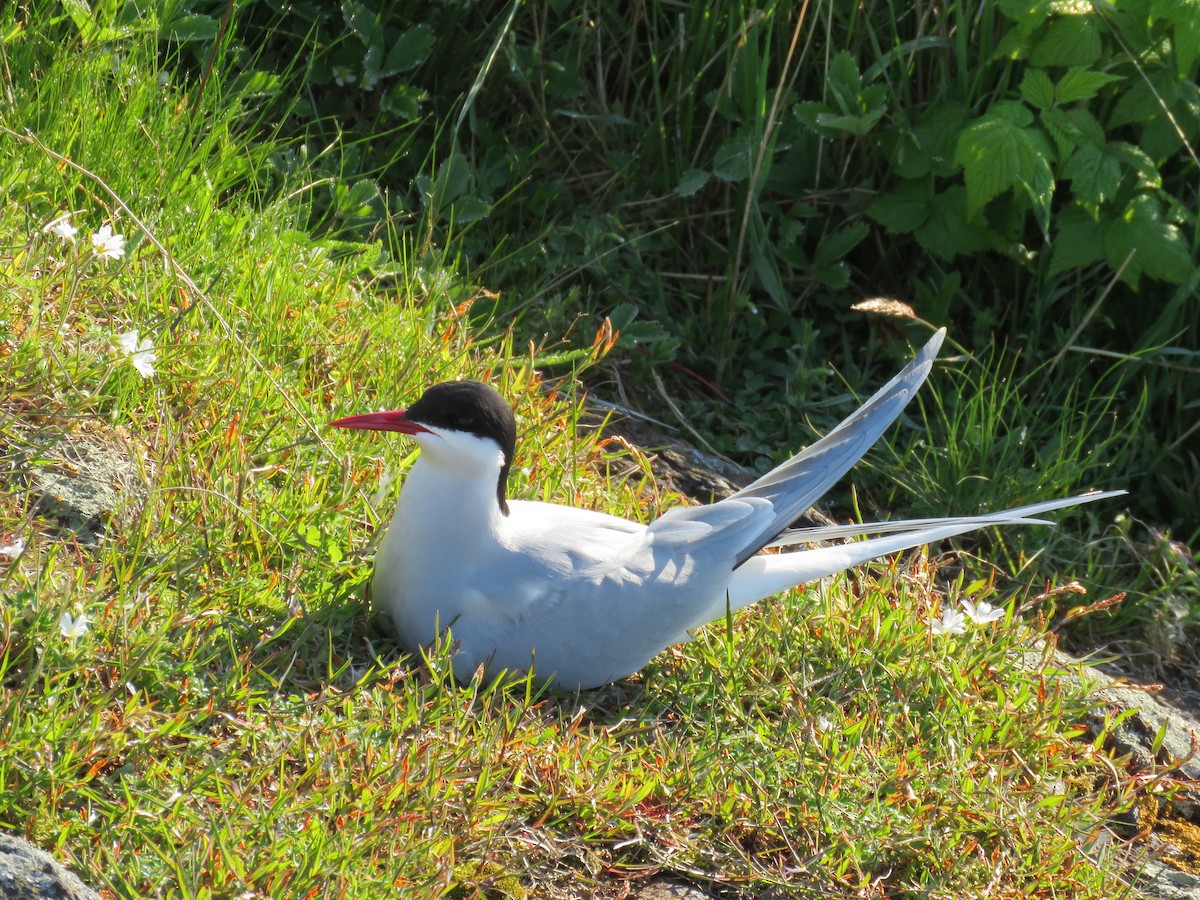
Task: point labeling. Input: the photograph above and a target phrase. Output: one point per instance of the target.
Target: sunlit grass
(230, 724)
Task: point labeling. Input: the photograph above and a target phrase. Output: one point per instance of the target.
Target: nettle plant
(1105, 103)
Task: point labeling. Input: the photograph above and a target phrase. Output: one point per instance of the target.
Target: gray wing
(794, 486)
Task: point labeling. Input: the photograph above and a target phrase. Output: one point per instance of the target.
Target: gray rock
(1162, 882)
(86, 481)
(27, 873)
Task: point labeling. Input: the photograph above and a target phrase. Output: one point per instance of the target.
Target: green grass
(230, 724)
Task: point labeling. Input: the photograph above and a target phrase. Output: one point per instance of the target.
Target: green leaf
(1069, 41)
(762, 262)
(833, 248)
(1136, 103)
(1082, 84)
(255, 84)
(404, 100)
(855, 125)
(1013, 111)
(186, 27)
(1087, 126)
(691, 182)
(1027, 15)
(1062, 130)
(946, 232)
(450, 182)
(1187, 42)
(844, 81)
(1136, 159)
(1184, 15)
(734, 161)
(1037, 89)
(1095, 176)
(1078, 242)
(1159, 248)
(905, 209)
(808, 111)
(929, 147)
(998, 155)
(360, 20)
(409, 50)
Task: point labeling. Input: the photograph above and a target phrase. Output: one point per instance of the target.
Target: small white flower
(370, 79)
(13, 548)
(73, 627)
(62, 227)
(983, 613)
(107, 244)
(343, 76)
(141, 354)
(951, 622)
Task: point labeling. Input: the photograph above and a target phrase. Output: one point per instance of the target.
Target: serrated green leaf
(1082, 84)
(469, 208)
(1078, 242)
(845, 81)
(998, 155)
(1062, 131)
(929, 147)
(404, 100)
(1094, 175)
(833, 248)
(946, 233)
(1159, 248)
(1184, 15)
(905, 209)
(1136, 103)
(1087, 125)
(359, 19)
(1037, 89)
(1013, 111)
(835, 275)
(408, 51)
(734, 161)
(1069, 41)
(1136, 159)
(808, 111)
(855, 125)
(1027, 15)
(691, 182)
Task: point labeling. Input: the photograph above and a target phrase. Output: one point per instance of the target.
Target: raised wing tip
(933, 345)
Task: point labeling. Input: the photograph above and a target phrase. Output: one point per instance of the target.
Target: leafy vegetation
(313, 214)
(723, 183)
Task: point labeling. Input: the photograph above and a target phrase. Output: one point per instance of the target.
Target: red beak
(381, 421)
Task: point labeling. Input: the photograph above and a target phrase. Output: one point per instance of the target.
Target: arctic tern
(588, 598)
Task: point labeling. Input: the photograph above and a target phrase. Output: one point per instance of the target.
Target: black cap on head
(475, 408)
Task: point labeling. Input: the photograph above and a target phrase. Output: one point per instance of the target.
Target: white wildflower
(141, 354)
(62, 227)
(982, 613)
(13, 548)
(107, 244)
(369, 80)
(73, 627)
(951, 622)
(344, 76)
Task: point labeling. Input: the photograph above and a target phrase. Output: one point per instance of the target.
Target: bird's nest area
(86, 481)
